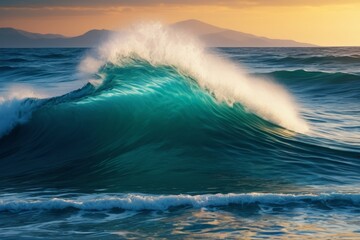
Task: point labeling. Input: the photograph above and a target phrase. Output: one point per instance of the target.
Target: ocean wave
(160, 46)
(326, 59)
(316, 77)
(157, 107)
(150, 108)
(186, 57)
(138, 202)
(153, 106)
(339, 84)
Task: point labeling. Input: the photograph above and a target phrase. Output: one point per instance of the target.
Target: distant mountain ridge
(220, 37)
(211, 35)
(14, 38)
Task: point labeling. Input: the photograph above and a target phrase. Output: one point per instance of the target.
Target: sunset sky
(321, 22)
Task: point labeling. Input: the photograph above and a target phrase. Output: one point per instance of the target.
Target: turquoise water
(142, 148)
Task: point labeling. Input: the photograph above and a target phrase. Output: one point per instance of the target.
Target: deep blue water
(149, 150)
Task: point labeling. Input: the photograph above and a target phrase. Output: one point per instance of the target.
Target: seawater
(154, 135)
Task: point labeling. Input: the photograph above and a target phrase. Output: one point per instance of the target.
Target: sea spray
(162, 46)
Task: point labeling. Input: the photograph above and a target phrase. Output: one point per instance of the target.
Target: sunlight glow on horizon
(324, 25)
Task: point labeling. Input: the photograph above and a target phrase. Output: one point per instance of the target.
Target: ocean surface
(153, 135)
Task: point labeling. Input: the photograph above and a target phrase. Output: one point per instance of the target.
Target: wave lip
(139, 202)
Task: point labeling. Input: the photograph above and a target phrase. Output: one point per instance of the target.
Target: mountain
(14, 38)
(196, 27)
(221, 37)
(211, 35)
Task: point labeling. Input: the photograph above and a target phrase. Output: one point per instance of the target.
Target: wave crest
(163, 202)
(16, 108)
(159, 46)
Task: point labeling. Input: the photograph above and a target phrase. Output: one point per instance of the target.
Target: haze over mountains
(211, 35)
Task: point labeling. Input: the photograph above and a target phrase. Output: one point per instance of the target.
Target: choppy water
(174, 140)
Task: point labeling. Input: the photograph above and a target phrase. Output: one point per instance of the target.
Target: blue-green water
(148, 150)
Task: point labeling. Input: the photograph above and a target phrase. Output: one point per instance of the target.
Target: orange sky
(327, 23)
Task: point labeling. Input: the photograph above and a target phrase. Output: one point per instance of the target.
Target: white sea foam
(163, 46)
(162, 202)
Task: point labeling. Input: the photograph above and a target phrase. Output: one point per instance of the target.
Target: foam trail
(163, 202)
(226, 81)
